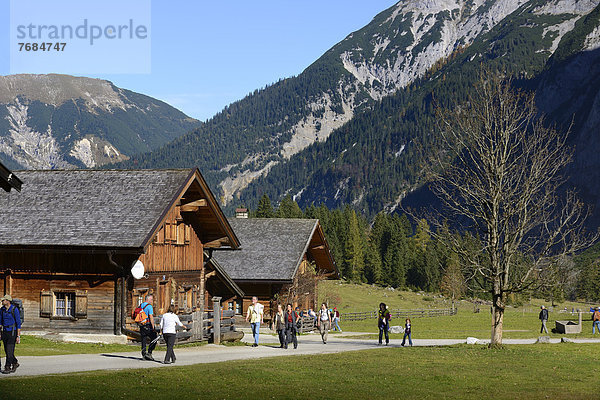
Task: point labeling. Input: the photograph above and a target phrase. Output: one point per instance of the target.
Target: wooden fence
(227, 325)
(398, 313)
(307, 324)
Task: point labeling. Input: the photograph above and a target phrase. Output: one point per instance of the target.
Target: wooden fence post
(216, 320)
(197, 325)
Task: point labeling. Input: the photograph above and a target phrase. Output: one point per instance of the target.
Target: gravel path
(308, 344)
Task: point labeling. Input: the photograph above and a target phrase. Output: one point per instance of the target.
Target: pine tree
(264, 209)
(353, 261)
(288, 208)
(422, 236)
(373, 266)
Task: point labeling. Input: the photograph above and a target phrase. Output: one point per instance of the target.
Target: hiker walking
(255, 315)
(383, 322)
(324, 322)
(10, 319)
(168, 328)
(407, 331)
(144, 316)
(544, 318)
(279, 325)
(596, 320)
(291, 319)
(336, 319)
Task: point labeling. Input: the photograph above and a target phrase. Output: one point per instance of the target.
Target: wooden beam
(194, 205)
(217, 243)
(319, 247)
(198, 203)
(211, 273)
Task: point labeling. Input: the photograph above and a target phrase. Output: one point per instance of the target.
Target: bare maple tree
(500, 174)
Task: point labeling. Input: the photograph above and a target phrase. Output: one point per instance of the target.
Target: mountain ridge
(62, 121)
(369, 155)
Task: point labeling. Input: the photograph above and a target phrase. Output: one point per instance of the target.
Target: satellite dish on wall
(137, 271)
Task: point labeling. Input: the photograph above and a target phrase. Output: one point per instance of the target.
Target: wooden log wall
(99, 290)
(183, 289)
(176, 247)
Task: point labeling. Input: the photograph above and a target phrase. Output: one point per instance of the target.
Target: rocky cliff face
(400, 45)
(354, 126)
(61, 121)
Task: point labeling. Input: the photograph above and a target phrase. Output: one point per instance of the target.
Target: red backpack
(139, 314)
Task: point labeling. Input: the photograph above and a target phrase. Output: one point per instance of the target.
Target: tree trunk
(497, 321)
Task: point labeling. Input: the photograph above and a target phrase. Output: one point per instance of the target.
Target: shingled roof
(271, 248)
(90, 208)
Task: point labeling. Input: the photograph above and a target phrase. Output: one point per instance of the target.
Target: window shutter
(173, 233)
(81, 301)
(46, 298)
(188, 234)
(167, 233)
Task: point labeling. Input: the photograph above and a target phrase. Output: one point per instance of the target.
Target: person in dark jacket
(383, 322)
(291, 318)
(407, 331)
(279, 325)
(544, 318)
(10, 320)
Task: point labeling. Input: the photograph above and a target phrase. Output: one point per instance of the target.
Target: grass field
(565, 371)
(519, 323)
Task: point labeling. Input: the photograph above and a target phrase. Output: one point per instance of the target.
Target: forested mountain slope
(356, 126)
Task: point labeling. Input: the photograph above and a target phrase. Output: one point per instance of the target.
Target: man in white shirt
(255, 315)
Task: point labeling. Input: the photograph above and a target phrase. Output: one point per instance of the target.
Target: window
(139, 296)
(64, 304)
(230, 305)
(238, 307)
(69, 304)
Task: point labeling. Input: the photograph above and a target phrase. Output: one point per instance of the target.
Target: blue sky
(207, 54)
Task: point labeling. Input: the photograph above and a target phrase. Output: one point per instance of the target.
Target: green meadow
(559, 371)
(519, 322)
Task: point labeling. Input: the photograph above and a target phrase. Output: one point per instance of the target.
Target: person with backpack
(279, 325)
(407, 331)
(544, 318)
(596, 320)
(291, 319)
(324, 322)
(144, 316)
(10, 320)
(168, 327)
(383, 322)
